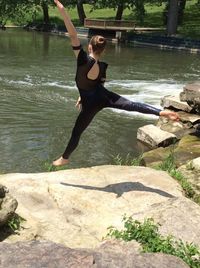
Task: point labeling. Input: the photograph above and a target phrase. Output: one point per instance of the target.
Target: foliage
(168, 165)
(148, 236)
(128, 160)
(49, 167)
(15, 223)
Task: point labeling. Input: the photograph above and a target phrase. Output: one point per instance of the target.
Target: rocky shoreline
(74, 208)
(67, 212)
(182, 139)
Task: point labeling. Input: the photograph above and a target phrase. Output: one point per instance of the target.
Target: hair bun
(101, 39)
(98, 43)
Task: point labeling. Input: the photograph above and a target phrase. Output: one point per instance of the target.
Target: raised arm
(69, 25)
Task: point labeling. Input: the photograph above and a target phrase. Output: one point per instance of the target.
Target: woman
(90, 78)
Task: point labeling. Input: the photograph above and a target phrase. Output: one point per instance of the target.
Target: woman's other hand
(78, 104)
(171, 115)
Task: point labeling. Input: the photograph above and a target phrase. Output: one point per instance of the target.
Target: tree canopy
(17, 9)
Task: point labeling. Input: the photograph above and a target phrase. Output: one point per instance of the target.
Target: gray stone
(7, 209)
(50, 255)
(178, 128)
(3, 191)
(174, 102)
(189, 118)
(195, 164)
(155, 137)
(191, 94)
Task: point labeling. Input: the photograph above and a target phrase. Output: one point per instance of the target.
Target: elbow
(73, 36)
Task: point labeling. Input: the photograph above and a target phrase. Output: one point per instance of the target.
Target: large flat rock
(75, 207)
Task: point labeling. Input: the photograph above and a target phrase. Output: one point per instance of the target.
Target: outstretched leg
(119, 102)
(82, 122)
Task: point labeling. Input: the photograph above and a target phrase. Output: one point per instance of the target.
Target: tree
(172, 21)
(81, 11)
(45, 9)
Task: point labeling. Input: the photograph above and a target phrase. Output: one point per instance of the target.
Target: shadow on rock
(120, 188)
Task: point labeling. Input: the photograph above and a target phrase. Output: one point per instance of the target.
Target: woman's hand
(78, 104)
(171, 115)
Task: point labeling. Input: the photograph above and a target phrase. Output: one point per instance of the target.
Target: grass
(169, 165)
(49, 167)
(15, 223)
(127, 161)
(147, 235)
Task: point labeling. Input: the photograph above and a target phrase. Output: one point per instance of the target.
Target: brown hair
(98, 44)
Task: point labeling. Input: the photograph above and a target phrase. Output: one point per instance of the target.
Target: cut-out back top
(84, 65)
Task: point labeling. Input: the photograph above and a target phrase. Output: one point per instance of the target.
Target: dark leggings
(92, 105)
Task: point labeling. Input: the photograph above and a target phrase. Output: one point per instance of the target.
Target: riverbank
(142, 37)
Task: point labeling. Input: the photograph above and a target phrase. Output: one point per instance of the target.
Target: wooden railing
(121, 25)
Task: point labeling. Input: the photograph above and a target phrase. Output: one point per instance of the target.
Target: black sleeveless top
(84, 65)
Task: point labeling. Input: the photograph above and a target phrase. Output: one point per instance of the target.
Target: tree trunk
(81, 11)
(172, 21)
(45, 12)
(140, 10)
(120, 9)
(181, 11)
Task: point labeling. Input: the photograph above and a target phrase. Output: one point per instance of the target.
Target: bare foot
(171, 115)
(60, 162)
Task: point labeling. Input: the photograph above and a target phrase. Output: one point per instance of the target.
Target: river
(38, 96)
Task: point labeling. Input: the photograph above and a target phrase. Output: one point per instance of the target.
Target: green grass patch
(169, 165)
(148, 236)
(48, 167)
(15, 223)
(128, 160)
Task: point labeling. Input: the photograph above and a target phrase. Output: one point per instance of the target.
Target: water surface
(38, 96)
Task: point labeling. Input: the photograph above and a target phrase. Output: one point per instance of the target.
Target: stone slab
(47, 254)
(154, 136)
(174, 102)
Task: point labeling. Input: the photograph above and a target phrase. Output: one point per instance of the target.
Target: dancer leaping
(90, 78)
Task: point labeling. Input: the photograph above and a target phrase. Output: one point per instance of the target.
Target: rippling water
(38, 94)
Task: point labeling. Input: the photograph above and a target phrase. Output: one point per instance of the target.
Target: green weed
(169, 165)
(15, 223)
(128, 160)
(148, 236)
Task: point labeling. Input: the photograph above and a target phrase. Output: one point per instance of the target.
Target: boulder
(75, 207)
(178, 128)
(155, 137)
(195, 164)
(185, 150)
(47, 254)
(187, 124)
(189, 118)
(191, 94)
(174, 102)
(8, 205)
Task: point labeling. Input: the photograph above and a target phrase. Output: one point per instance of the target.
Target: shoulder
(104, 64)
(82, 57)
